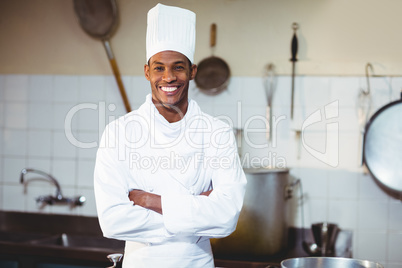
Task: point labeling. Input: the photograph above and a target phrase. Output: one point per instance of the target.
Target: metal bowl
(328, 262)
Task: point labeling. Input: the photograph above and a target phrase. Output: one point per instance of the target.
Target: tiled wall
(36, 112)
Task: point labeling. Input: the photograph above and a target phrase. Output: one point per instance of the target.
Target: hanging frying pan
(382, 148)
(213, 73)
(98, 18)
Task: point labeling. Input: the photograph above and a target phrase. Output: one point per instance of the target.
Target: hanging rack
(368, 66)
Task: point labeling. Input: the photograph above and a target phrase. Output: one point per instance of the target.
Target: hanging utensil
(382, 148)
(213, 73)
(294, 49)
(363, 110)
(269, 81)
(98, 18)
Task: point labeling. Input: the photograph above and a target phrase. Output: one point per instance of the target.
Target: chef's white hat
(170, 28)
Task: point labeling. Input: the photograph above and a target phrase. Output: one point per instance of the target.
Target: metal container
(328, 262)
(262, 228)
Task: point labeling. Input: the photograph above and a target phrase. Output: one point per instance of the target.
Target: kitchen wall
(44, 116)
(56, 90)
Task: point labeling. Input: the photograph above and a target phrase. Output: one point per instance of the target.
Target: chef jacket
(177, 161)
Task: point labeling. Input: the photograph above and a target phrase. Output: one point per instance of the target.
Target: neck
(172, 113)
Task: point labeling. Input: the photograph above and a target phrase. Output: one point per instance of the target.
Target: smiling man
(168, 176)
(169, 73)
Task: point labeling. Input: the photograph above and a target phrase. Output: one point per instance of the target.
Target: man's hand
(146, 200)
(149, 200)
(207, 193)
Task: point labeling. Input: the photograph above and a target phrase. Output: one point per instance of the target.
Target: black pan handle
(295, 26)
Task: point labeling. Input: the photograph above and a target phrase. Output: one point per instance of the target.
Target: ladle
(310, 248)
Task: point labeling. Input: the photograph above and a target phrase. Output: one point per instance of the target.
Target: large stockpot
(262, 228)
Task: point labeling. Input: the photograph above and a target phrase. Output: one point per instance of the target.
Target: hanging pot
(213, 73)
(99, 19)
(382, 148)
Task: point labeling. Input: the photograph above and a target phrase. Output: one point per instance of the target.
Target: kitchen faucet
(49, 199)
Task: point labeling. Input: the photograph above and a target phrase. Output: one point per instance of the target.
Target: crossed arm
(149, 200)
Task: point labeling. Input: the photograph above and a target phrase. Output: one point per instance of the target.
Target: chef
(167, 176)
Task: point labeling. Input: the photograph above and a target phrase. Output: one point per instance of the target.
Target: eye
(179, 67)
(158, 68)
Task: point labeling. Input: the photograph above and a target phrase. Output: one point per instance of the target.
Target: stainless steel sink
(14, 237)
(78, 241)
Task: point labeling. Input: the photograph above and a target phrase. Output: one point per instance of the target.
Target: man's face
(169, 73)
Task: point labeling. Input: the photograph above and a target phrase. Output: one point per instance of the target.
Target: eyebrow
(161, 63)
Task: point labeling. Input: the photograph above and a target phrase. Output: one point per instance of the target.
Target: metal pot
(328, 262)
(262, 228)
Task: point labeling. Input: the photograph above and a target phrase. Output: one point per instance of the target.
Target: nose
(169, 75)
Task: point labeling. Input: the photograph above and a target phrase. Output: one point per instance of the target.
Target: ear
(193, 71)
(146, 71)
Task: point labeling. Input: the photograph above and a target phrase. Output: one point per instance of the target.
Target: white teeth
(168, 89)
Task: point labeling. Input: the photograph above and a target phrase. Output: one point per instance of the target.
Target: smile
(168, 89)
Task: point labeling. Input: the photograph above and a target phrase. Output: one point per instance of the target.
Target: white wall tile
(396, 84)
(315, 210)
(16, 115)
(343, 184)
(366, 210)
(91, 89)
(13, 198)
(394, 247)
(112, 92)
(15, 142)
(315, 182)
(88, 137)
(40, 88)
(371, 246)
(16, 88)
(39, 143)
(380, 91)
(43, 163)
(395, 215)
(345, 90)
(140, 89)
(65, 88)
(40, 115)
(2, 87)
(65, 172)
(282, 93)
(343, 213)
(232, 94)
(1, 141)
(62, 147)
(86, 173)
(12, 169)
(368, 189)
(252, 91)
(88, 118)
(64, 116)
(201, 98)
(349, 150)
(314, 92)
(2, 112)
